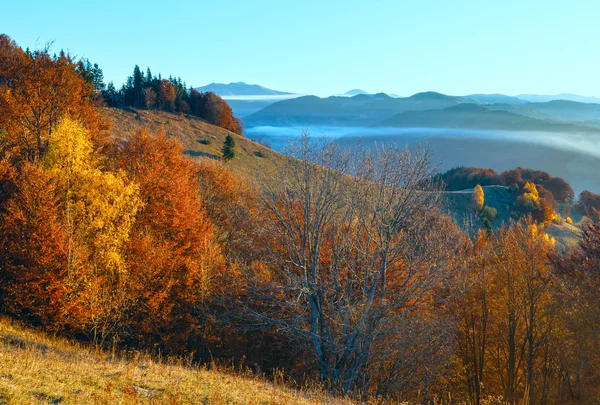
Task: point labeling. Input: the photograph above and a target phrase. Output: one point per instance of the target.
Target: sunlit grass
(38, 369)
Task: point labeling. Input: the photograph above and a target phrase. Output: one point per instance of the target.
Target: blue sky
(324, 46)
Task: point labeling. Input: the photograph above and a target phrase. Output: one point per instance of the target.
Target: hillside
(361, 109)
(458, 204)
(199, 139)
(37, 369)
(473, 116)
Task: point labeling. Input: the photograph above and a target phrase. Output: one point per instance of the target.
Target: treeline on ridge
(144, 90)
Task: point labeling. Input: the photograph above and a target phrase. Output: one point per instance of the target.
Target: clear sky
(330, 46)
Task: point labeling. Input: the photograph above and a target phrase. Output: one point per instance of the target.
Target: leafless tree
(352, 241)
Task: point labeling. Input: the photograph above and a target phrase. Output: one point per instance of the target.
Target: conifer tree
(228, 148)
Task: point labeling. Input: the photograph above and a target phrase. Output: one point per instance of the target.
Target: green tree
(228, 148)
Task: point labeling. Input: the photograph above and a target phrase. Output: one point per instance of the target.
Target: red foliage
(33, 245)
(172, 255)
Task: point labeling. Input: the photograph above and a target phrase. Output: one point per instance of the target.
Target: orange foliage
(33, 246)
(172, 257)
(36, 90)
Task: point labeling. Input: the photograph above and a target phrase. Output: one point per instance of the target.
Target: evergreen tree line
(144, 90)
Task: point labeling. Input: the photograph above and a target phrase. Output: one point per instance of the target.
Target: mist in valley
(572, 156)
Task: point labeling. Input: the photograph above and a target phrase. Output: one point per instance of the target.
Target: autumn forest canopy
(340, 265)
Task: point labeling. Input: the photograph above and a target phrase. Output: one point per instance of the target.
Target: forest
(339, 267)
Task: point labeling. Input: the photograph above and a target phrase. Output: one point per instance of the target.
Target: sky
(325, 47)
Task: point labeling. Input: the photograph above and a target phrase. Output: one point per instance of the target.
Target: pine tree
(138, 83)
(228, 148)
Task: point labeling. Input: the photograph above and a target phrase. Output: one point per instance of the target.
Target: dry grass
(199, 139)
(37, 369)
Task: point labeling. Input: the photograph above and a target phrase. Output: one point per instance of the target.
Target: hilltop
(240, 89)
(40, 369)
(496, 98)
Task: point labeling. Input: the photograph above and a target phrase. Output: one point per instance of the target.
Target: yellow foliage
(100, 206)
(478, 197)
(531, 195)
(569, 221)
(535, 233)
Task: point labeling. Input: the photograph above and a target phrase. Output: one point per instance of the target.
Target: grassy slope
(458, 205)
(251, 157)
(37, 369)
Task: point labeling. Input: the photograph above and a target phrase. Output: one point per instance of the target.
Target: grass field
(38, 369)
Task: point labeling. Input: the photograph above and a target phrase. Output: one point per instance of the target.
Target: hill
(496, 98)
(355, 92)
(458, 204)
(37, 369)
(535, 98)
(473, 116)
(358, 110)
(199, 138)
(240, 89)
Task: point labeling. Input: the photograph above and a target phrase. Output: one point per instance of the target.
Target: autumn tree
(99, 209)
(36, 90)
(478, 198)
(33, 247)
(350, 242)
(523, 318)
(149, 98)
(166, 95)
(172, 254)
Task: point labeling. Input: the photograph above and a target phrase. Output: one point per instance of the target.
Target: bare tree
(150, 98)
(352, 241)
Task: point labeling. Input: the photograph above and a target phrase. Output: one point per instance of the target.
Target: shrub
(489, 213)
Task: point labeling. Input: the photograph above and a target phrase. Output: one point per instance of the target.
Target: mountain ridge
(241, 89)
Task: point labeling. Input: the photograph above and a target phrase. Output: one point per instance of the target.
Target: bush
(489, 213)
(204, 141)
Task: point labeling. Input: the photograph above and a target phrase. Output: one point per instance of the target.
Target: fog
(573, 156)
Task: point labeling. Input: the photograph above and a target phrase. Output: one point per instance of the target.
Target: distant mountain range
(261, 106)
(431, 110)
(480, 117)
(240, 89)
(496, 98)
(359, 110)
(536, 98)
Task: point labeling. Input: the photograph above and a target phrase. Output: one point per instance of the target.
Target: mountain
(240, 89)
(496, 98)
(473, 116)
(556, 110)
(355, 92)
(537, 98)
(359, 110)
